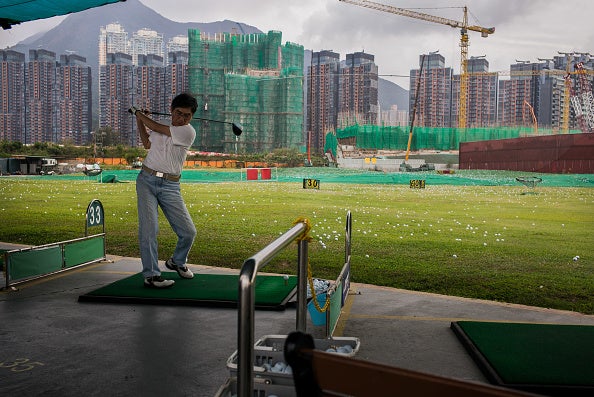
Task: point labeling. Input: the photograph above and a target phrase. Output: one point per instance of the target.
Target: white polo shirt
(167, 154)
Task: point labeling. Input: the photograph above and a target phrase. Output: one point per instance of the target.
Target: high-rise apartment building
(434, 105)
(145, 42)
(137, 75)
(518, 94)
(357, 94)
(149, 78)
(113, 39)
(339, 93)
(12, 70)
(116, 95)
(439, 94)
(176, 76)
(149, 85)
(73, 109)
(177, 44)
(481, 108)
(322, 102)
(40, 79)
(552, 98)
(43, 100)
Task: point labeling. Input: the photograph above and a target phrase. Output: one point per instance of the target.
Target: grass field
(487, 242)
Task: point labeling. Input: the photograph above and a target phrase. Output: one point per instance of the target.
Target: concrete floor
(52, 345)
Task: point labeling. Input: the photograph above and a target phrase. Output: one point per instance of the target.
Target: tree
(291, 157)
(9, 147)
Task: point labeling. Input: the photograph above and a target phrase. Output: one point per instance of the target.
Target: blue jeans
(154, 192)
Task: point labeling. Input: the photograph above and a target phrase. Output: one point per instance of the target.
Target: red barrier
(266, 173)
(251, 174)
(559, 154)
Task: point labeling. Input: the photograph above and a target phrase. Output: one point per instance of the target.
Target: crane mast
(566, 100)
(462, 25)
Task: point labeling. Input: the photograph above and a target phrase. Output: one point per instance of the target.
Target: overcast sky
(524, 29)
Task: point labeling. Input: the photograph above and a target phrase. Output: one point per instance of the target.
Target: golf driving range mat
(219, 290)
(549, 359)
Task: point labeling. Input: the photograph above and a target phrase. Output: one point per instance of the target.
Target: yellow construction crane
(566, 98)
(464, 28)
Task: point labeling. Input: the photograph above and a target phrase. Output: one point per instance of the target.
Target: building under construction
(250, 79)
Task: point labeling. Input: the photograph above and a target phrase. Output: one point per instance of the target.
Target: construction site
(255, 80)
(250, 79)
(447, 111)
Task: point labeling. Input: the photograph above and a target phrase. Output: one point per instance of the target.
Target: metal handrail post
(246, 300)
(245, 327)
(302, 260)
(6, 272)
(347, 237)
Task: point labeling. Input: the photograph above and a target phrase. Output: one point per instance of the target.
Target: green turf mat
(272, 292)
(551, 359)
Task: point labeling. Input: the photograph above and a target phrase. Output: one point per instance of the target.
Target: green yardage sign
(95, 215)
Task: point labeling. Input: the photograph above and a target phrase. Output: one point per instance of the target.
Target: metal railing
(247, 278)
(48, 265)
(343, 279)
(246, 302)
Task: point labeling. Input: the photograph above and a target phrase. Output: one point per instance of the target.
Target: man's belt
(164, 175)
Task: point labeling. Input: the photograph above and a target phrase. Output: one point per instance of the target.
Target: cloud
(526, 30)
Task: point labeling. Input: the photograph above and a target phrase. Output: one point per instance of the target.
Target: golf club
(236, 127)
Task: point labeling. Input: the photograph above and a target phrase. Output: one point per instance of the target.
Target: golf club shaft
(195, 118)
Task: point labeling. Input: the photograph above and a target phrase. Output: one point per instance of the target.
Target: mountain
(390, 93)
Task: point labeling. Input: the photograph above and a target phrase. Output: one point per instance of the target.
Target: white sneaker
(158, 282)
(183, 271)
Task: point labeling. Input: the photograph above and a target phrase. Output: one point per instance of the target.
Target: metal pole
(245, 336)
(347, 237)
(245, 326)
(6, 270)
(302, 261)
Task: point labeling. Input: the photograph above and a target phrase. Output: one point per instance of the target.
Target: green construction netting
(15, 12)
(330, 144)
(396, 138)
(352, 176)
(249, 79)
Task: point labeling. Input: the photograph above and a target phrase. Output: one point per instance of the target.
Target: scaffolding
(249, 79)
(583, 100)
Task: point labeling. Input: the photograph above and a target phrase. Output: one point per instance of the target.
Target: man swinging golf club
(157, 185)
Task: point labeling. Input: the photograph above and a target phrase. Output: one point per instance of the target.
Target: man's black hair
(184, 100)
